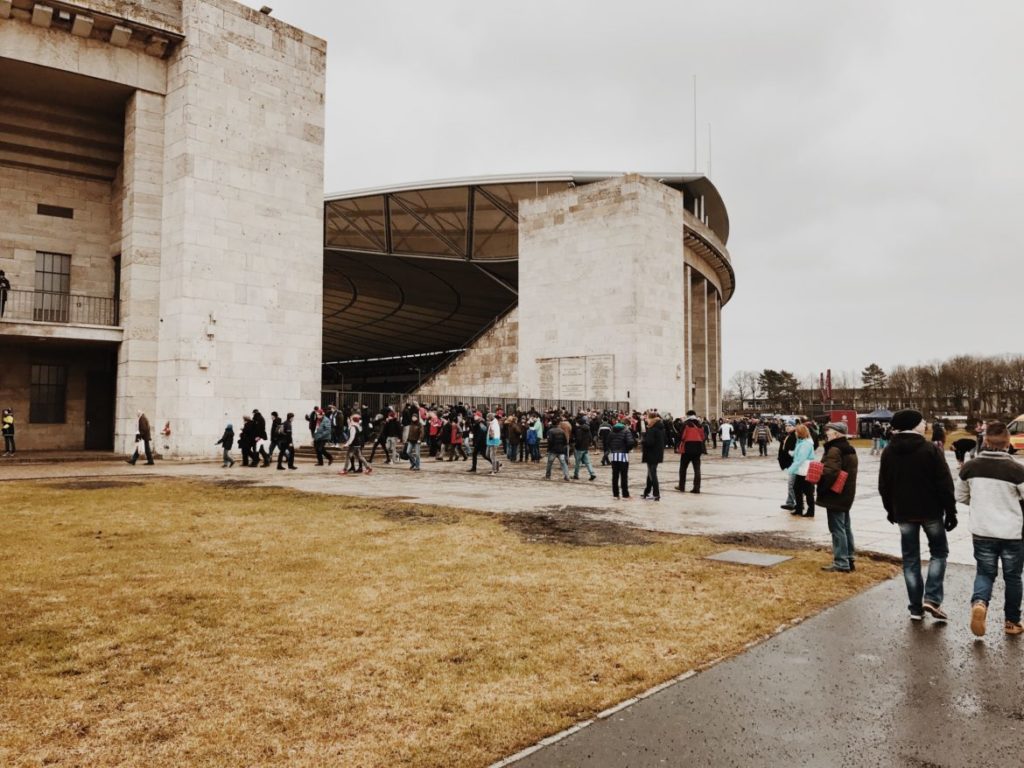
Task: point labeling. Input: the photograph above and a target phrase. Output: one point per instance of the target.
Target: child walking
(227, 440)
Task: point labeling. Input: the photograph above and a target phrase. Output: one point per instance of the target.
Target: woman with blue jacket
(802, 454)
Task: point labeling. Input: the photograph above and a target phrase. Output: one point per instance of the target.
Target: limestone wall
(488, 368)
(241, 262)
(85, 237)
(628, 233)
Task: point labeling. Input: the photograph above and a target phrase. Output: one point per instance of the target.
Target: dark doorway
(99, 410)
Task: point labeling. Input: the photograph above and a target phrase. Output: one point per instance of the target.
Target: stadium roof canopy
(423, 268)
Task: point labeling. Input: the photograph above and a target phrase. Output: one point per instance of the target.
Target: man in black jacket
(917, 493)
(479, 433)
(582, 436)
(285, 444)
(653, 444)
(558, 448)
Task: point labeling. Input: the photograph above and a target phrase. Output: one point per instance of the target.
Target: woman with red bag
(839, 457)
(803, 455)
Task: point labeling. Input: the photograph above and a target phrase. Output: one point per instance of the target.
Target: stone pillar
(699, 343)
(688, 355)
(141, 225)
(714, 359)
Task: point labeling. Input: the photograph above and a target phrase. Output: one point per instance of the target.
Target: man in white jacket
(993, 485)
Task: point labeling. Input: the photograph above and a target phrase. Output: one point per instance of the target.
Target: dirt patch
(574, 527)
(232, 483)
(421, 515)
(92, 485)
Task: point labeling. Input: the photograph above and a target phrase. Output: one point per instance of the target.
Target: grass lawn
(177, 623)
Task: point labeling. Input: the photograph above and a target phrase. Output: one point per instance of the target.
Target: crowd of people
(917, 488)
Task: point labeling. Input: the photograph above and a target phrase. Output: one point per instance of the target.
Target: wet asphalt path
(858, 685)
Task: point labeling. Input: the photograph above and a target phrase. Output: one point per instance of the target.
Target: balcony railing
(64, 308)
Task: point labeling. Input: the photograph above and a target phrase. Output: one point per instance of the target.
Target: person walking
(286, 443)
(247, 442)
(478, 432)
(939, 436)
(803, 454)
(322, 435)
(839, 457)
(493, 442)
(993, 485)
(558, 448)
(653, 453)
(275, 437)
(412, 445)
(725, 432)
(227, 440)
(8, 431)
(691, 447)
(917, 492)
(620, 443)
(742, 428)
(145, 436)
(762, 436)
(5, 286)
(582, 436)
(787, 445)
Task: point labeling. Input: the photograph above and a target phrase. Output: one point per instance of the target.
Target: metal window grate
(53, 287)
(48, 394)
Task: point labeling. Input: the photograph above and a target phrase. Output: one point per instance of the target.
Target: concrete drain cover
(745, 557)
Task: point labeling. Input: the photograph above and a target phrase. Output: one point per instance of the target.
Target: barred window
(48, 394)
(53, 286)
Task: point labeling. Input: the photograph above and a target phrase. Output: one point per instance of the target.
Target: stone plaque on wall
(547, 371)
(572, 377)
(600, 377)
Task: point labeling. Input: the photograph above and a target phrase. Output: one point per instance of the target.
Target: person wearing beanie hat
(917, 492)
(906, 420)
(839, 457)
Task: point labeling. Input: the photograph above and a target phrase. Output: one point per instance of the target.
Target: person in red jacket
(691, 448)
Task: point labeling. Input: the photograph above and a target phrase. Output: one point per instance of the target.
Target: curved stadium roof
(423, 268)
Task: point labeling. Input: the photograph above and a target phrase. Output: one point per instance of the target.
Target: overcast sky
(871, 154)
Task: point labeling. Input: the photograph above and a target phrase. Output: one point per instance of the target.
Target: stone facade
(487, 368)
(214, 206)
(628, 233)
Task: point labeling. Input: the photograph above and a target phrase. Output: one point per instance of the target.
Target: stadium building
(170, 251)
(565, 287)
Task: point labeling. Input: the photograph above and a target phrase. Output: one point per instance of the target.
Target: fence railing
(53, 307)
(377, 400)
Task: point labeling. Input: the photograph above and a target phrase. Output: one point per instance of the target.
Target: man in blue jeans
(993, 484)
(917, 493)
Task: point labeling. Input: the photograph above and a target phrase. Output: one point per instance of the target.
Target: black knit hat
(906, 420)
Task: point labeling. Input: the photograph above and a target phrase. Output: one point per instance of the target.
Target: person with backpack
(762, 436)
(993, 485)
(691, 448)
(285, 445)
(8, 430)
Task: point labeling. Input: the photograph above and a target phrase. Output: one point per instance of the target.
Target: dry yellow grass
(187, 624)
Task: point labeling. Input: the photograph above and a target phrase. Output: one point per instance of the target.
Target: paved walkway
(858, 685)
(739, 494)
